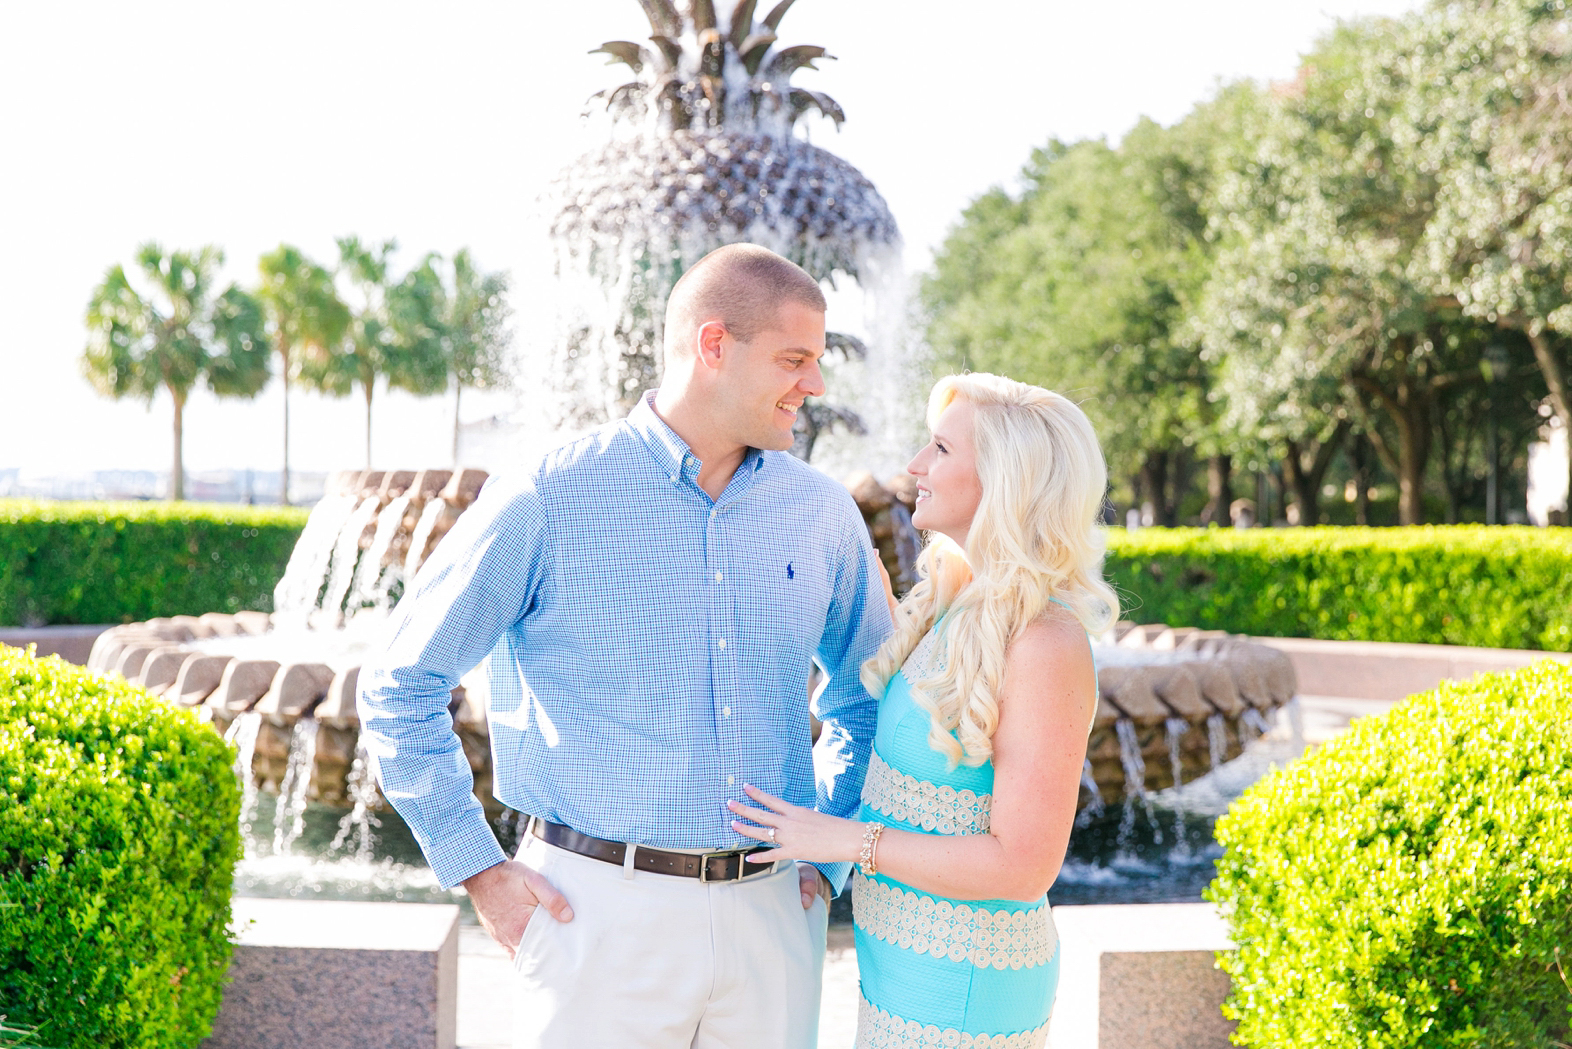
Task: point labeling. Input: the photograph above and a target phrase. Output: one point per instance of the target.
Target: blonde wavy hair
(1034, 539)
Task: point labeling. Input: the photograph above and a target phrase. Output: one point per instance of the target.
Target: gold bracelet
(868, 861)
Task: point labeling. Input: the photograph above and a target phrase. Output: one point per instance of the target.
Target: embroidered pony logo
(789, 573)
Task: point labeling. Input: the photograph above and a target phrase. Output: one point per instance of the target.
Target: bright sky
(247, 124)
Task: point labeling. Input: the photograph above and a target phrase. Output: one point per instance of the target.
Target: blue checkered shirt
(649, 650)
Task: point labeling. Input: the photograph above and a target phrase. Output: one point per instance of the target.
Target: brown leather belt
(707, 867)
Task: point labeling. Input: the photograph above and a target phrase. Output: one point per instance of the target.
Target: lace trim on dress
(877, 1029)
(943, 810)
(957, 931)
(923, 661)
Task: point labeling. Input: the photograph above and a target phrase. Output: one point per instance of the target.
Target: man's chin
(774, 441)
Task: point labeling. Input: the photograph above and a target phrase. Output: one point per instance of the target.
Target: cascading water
(1256, 722)
(1135, 792)
(373, 582)
(359, 821)
(1174, 729)
(1216, 740)
(290, 813)
(1131, 758)
(295, 596)
(420, 538)
(243, 734)
(1296, 724)
(346, 555)
(1095, 807)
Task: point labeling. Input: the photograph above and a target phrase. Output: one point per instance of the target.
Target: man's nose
(813, 384)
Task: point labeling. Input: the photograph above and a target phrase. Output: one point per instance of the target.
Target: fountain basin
(1174, 703)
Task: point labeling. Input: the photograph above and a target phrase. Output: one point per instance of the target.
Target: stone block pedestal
(331, 975)
(1140, 976)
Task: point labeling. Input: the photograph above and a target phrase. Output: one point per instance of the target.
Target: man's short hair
(743, 285)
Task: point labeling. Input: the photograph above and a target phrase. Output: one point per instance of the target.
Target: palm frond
(663, 17)
(788, 61)
(741, 22)
(754, 49)
(625, 51)
(778, 12)
(702, 13)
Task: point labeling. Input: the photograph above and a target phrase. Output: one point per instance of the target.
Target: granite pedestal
(1140, 975)
(311, 974)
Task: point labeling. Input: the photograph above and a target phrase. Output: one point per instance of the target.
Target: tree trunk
(283, 477)
(370, 388)
(458, 396)
(1219, 491)
(1179, 479)
(1154, 484)
(1359, 457)
(1560, 400)
(1407, 404)
(177, 474)
(1305, 467)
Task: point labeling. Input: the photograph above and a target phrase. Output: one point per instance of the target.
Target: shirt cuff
(836, 874)
(471, 849)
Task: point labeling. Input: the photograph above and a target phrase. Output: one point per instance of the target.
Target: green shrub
(1458, 585)
(1406, 884)
(121, 562)
(118, 842)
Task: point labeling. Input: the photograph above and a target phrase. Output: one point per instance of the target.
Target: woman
(988, 693)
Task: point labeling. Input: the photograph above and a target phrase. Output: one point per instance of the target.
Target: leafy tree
(476, 339)
(394, 331)
(1079, 283)
(174, 334)
(1321, 285)
(304, 315)
(1493, 96)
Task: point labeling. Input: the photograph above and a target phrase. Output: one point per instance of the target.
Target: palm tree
(477, 336)
(394, 331)
(304, 313)
(174, 335)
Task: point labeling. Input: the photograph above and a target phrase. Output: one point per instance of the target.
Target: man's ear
(711, 342)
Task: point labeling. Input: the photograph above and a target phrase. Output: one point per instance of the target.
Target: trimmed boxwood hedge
(1497, 587)
(1405, 885)
(119, 834)
(64, 562)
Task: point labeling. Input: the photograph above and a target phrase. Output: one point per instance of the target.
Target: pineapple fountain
(701, 152)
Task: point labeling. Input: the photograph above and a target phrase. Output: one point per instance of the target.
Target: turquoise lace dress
(938, 972)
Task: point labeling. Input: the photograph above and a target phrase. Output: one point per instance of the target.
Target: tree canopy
(172, 333)
(1377, 253)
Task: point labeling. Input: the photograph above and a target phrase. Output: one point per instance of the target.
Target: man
(651, 597)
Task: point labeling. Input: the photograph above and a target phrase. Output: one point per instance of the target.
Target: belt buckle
(704, 866)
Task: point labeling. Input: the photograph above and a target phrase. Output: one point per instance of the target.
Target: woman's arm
(1046, 702)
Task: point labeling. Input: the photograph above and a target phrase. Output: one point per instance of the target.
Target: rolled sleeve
(479, 582)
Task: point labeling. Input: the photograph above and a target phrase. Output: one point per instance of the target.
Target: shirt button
(673, 478)
(721, 644)
(731, 781)
(714, 510)
(725, 712)
(719, 576)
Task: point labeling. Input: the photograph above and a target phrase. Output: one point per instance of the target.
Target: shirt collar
(671, 452)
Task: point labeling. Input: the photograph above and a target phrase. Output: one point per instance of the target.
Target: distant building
(210, 486)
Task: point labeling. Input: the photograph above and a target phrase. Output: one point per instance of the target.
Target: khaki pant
(652, 961)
